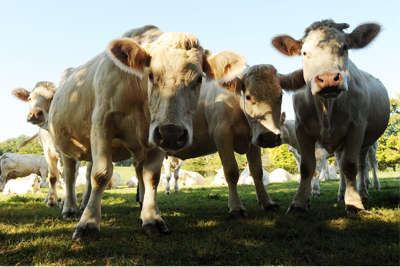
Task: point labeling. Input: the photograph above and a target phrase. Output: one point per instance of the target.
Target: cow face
(175, 66)
(261, 99)
(260, 90)
(39, 100)
(324, 50)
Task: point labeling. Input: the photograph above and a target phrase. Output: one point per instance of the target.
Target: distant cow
(39, 100)
(21, 165)
(137, 95)
(246, 179)
(132, 182)
(280, 176)
(219, 178)
(24, 185)
(172, 166)
(342, 107)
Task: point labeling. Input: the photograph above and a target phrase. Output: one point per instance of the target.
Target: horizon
(42, 39)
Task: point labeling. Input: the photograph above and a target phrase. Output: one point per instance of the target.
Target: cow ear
(292, 81)
(362, 35)
(235, 86)
(224, 66)
(287, 45)
(22, 94)
(129, 56)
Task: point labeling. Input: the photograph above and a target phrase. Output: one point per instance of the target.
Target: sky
(40, 39)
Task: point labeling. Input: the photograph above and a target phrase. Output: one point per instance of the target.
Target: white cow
(21, 165)
(190, 178)
(342, 107)
(132, 182)
(245, 177)
(24, 185)
(172, 165)
(219, 178)
(81, 180)
(280, 176)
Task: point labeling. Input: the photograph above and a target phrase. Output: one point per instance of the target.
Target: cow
(39, 100)
(135, 99)
(21, 165)
(240, 120)
(280, 175)
(342, 107)
(172, 165)
(24, 185)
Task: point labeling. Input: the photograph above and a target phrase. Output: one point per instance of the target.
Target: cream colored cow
(136, 95)
(172, 165)
(24, 185)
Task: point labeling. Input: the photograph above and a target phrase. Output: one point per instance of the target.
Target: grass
(203, 234)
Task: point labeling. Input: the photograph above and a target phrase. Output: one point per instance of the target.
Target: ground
(203, 234)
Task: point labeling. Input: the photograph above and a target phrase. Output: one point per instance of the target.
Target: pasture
(203, 234)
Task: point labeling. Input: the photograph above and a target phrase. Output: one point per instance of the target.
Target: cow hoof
(167, 193)
(234, 214)
(272, 207)
(352, 210)
(69, 214)
(51, 204)
(86, 232)
(159, 227)
(295, 210)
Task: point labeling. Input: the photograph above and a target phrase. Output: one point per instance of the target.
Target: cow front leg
(224, 144)
(315, 186)
(69, 207)
(256, 171)
(140, 187)
(167, 172)
(176, 178)
(52, 198)
(88, 187)
(307, 167)
(150, 214)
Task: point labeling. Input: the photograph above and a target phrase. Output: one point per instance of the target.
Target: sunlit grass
(204, 234)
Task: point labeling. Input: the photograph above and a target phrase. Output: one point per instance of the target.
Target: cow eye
(151, 76)
(199, 79)
(304, 53)
(248, 97)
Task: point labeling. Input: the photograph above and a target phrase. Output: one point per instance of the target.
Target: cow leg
(224, 145)
(150, 215)
(140, 187)
(315, 186)
(363, 174)
(342, 182)
(69, 208)
(176, 177)
(88, 187)
(307, 168)
(167, 171)
(256, 171)
(373, 163)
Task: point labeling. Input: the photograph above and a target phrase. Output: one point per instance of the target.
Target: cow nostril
(183, 138)
(319, 79)
(337, 77)
(39, 113)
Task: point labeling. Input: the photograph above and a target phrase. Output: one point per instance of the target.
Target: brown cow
(343, 108)
(105, 108)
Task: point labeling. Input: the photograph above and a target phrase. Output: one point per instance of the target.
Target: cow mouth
(269, 140)
(330, 92)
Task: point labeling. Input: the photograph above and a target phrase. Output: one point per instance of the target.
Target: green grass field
(202, 232)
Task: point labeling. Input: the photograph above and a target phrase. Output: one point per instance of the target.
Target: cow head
(260, 90)
(175, 66)
(39, 100)
(324, 49)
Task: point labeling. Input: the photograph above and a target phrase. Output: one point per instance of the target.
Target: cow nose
(35, 116)
(171, 137)
(328, 79)
(269, 140)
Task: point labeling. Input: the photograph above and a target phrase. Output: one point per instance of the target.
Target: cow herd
(152, 95)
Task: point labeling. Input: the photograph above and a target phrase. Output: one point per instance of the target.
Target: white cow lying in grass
(279, 176)
(246, 179)
(20, 186)
(132, 182)
(185, 178)
(219, 179)
(80, 184)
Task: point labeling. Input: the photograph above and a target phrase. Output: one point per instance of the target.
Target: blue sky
(39, 39)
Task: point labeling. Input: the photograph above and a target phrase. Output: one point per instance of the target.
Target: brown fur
(124, 50)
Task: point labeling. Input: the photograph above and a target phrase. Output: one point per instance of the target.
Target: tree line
(388, 154)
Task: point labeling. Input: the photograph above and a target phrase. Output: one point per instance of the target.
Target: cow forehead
(262, 82)
(46, 92)
(324, 37)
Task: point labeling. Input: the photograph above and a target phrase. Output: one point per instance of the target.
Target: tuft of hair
(45, 89)
(145, 34)
(21, 93)
(325, 23)
(260, 72)
(178, 40)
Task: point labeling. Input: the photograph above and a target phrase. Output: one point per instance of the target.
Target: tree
(280, 157)
(388, 154)
(11, 145)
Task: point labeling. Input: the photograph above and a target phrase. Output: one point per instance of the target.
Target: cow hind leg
(88, 187)
(176, 177)
(51, 198)
(363, 175)
(256, 171)
(69, 207)
(315, 186)
(373, 163)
